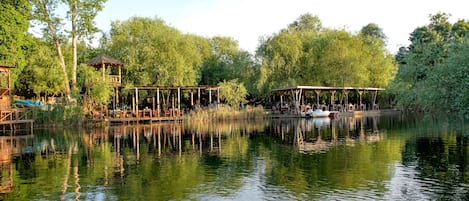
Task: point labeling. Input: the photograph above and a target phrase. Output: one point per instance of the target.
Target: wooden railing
(19, 114)
(115, 79)
(4, 91)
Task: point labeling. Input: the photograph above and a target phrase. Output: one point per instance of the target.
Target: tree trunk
(73, 12)
(53, 32)
(61, 60)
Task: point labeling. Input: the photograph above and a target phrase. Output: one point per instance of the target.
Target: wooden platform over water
(14, 119)
(134, 120)
(346, 114)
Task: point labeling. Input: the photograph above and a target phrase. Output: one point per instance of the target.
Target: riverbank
(347, 114)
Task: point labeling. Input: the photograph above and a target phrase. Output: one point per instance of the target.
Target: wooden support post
(179, 101)
(209, 96)
(332, 97)
(133, 104)
(158, 102)
(281, 101)
(346, 106)
(198, 96)
(117, 96)
(120, 74)
(294, 98)
(114, 104)
(218, 96)
(152, 106)
(296, 94)
(375, 95)
(172, 106)
(318, 92)
(360, 99)
(103, 71)
(136, 102)
(192, 99)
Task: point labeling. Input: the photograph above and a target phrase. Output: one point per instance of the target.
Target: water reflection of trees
(174, 157)
(11, 148)
(320, 134)
(342, 154)
(440, 157)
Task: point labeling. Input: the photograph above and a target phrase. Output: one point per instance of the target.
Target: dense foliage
(433, 70)
(233, 93)
(155, 53)
(307, 54)
(432, 73)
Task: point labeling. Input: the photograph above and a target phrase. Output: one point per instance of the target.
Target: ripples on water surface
(347, 158)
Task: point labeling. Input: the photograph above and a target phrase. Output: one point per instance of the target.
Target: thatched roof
(5, 66)
(104, 59)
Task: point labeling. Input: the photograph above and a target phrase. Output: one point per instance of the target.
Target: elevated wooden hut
(5, 87)
(102, 62)
(11, 118)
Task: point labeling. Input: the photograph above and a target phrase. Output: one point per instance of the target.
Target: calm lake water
(367, 158)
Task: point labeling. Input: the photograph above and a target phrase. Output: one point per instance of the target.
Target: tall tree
(233, 92)
(81, 14)
(326, 57)
(431, 68)
(42, 74)
(157, 54)
(307, 22)
(373, 31)
(44, 13)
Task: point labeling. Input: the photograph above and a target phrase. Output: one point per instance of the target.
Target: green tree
(97, 92)
(81, 14)
(307, 54)
(221, 63)
(448, 84)
(226, 62)
(373, 31)
(155, 53)
(233, 93)
(44, 12)
(14, 24)
(427, 74)
(308, 23)
(42, 73)
(13, 27)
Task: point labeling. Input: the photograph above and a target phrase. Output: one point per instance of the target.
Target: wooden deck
(344, 114)
(135, 119)
(13, 119)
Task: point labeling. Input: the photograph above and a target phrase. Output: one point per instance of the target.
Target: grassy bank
(223, 112)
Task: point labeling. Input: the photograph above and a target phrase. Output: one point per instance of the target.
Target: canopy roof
(204, 87)
(106, 60)
(4, 66)
(328, 88)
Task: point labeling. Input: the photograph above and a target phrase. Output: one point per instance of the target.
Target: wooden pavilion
(11, 118)
(154, 110)
(297, 98)
(104, 62)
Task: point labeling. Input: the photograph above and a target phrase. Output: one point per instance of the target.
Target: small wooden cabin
(102, 62)
(11, 118)
(5, 87)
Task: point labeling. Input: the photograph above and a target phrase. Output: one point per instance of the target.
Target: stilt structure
(11, 118)
(102, 63)
(297, 98)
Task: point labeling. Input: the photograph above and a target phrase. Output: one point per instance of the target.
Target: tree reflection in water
(299, 159)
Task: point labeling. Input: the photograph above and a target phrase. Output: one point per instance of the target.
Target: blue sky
(247, 20)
